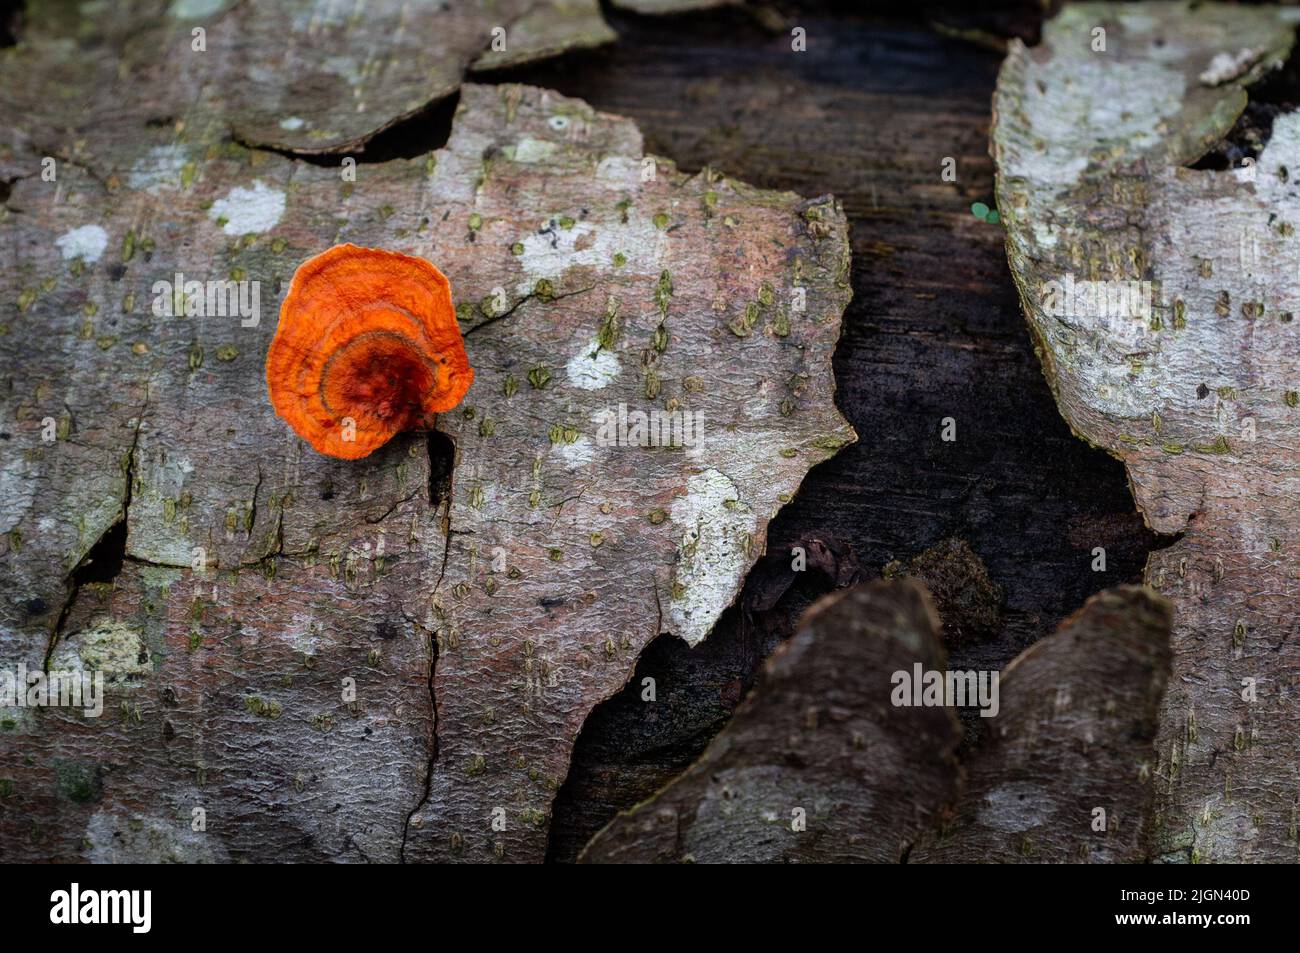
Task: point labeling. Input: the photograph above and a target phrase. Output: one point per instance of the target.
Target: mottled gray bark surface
(1198, 397)
(483, 588)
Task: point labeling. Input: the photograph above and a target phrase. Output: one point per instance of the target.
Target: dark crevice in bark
(11, 21)
(442, 460)
(442, 471)
(1162, 541)
(442, 466)
(103, 562)
(524, 300)
(372, 520)
(986, 26)
(154, 564)
(433, 753)
(423, 131)
(418, 134)
(252, 507)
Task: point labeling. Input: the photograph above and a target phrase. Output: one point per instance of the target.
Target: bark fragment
(298, 76)
(1195, 395)
(626, 289)
(1072, 732)
(1065, 771)
(586, 275)
(818, 735)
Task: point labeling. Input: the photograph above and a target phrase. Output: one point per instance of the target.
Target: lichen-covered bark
(817, 764)
(632, 285)
(512, 574)
(1197, 397)
(225, 693)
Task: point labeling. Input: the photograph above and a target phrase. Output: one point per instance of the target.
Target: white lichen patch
(1228, 66)
(713, 553)
(87, 243)
(109, 646)
(1283, 148)
(1045, 233)
(304, 634)
(577, 454)
(1126, 101)
(593, 367)
(158, 170)
(246, 211)
(350, 69)
(621, 170)
(550, 250)
(292, 123)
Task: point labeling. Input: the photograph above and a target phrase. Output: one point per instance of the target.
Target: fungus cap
(367, 347)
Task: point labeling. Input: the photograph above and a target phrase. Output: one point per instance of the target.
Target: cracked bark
(934, 330)
(1198, 397)
(323, 576)
(542, 520)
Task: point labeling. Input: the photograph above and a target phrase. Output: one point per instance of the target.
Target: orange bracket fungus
(367, 347)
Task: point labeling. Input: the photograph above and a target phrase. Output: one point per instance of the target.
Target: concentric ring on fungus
(367, 347)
